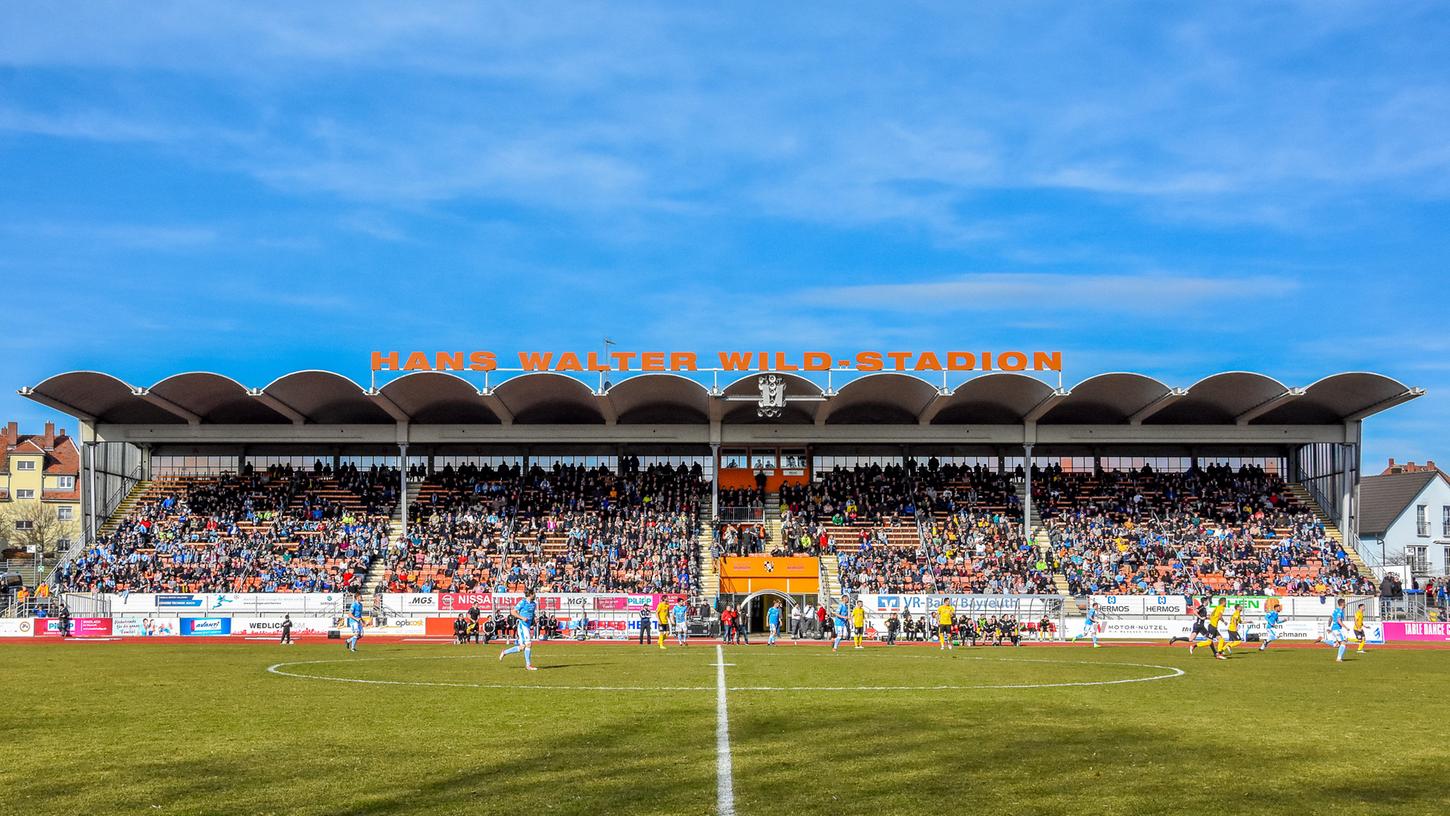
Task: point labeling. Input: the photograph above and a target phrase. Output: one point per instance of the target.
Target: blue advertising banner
(200, 627)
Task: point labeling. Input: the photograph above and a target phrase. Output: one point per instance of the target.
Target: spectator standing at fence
(797, 616)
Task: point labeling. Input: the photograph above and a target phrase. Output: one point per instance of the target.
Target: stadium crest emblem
(772, 395)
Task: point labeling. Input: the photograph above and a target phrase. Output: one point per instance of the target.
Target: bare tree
(34, 526)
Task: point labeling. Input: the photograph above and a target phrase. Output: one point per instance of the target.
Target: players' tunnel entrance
(753, 609)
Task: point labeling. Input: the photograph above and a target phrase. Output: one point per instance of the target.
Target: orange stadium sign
(594, 361)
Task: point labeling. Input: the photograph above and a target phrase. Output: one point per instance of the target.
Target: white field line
(724, 770)
(1168, 673)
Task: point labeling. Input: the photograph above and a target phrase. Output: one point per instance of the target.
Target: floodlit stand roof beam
(191, 417)
(607, 408)
(277, 405)
(1157, 405)
(65, 408)
(382, 401)
(1268, 405)
(1385, 405)
(1040, 409)
(496, 405)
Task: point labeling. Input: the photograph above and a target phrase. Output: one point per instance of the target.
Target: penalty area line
(724, 767)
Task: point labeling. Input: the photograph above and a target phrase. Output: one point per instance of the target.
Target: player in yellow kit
(662, 617)
(1234, 621)
(945, 614)
(1359, 628)
(858, 625)
(1215, 639)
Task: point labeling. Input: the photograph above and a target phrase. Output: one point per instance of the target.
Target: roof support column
(1345, 489)
(715, 483)
(403, 476)
(1027, 492)
(91, 489)
(714, 473)
(403, 485)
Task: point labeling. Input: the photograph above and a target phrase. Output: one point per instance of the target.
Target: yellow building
(39, 469)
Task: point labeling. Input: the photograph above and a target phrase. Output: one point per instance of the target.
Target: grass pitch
(186, 727)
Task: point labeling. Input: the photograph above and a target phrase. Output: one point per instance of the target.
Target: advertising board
(206, 627)
(145, 626)
(79, 627)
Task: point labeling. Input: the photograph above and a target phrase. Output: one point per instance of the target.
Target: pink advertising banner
(1422, 631)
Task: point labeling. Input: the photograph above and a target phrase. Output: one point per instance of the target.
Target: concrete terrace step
(1331, 529)
(126, 506)
(772, 519)
(830, 577)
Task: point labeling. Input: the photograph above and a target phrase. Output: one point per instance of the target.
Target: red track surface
(760, 643)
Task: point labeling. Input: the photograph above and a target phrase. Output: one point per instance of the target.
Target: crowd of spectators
(564, 529)
(1204, 531)
(278, 530)
(968, 552)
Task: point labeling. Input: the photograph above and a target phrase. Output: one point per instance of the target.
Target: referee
(644, 620)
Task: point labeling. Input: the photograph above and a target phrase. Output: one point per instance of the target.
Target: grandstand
(1003, 485)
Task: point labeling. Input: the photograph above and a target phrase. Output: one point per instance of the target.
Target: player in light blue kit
(524, 612)
(1271, 628)
(678, 619)
(354, 622)
(772, 617)
(1090, 626)
(1336, 636)
(842, 620)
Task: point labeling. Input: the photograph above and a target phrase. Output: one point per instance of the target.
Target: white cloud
(1048, 292)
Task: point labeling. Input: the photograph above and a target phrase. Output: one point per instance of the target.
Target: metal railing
(739, 514)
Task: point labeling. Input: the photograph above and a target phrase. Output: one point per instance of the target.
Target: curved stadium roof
(440, 398)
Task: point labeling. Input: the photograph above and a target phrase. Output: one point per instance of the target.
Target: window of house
(1422, 520)
(25, 464)
(1445, 523)
(24, 525)
(65, 513)
(65, 482)
(24, 494)
(1418, 558)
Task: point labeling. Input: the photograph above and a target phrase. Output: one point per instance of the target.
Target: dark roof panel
(1383, 498)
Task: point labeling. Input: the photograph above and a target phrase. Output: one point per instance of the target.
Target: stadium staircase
(772, 520)
(126, 507)
(1020, 488)
(373, 581)
(1301, 495)
(830, 576)
(709, 574)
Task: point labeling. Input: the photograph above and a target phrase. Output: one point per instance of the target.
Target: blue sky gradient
(1178, 190)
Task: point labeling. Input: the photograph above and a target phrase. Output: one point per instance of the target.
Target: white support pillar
(1027, 494)
(715, 482)
(91, 490)
(403, 485)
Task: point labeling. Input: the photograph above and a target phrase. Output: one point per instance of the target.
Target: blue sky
(1176, 189)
